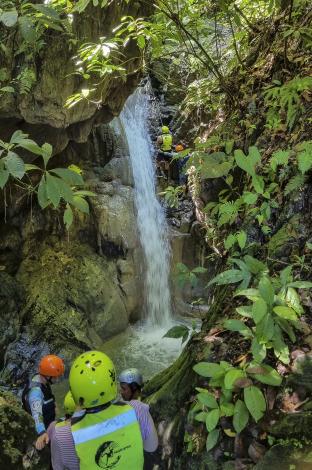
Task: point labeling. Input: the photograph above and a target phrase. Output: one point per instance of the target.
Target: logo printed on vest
(107, 455)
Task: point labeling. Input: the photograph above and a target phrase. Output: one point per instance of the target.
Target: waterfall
(153, 230)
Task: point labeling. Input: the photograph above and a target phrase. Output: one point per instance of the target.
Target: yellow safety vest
(109, 439)
(167, 142)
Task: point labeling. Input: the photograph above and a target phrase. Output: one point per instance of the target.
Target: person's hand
(42, 441)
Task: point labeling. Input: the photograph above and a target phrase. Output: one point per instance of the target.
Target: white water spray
(153, 230)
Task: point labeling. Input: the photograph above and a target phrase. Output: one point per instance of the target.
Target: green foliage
(172, 195)
(56, 187)
(218, 399)
(179, 331)
(186, 276)
(285, 98)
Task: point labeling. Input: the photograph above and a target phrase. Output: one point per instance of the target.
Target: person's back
(165, 139)
(108, 435)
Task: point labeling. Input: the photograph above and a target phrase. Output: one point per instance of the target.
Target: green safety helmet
(165, 130)
(69, 404)
(92, 379)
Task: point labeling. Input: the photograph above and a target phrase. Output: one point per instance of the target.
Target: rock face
(52, 75)
(59, 292)
(68, 294)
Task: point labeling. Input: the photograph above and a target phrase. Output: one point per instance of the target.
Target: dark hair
(135, 386)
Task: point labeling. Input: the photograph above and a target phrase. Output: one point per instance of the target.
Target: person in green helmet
(164, 144)
(164, 141)
(108, 434)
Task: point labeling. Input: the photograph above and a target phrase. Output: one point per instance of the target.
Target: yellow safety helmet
(69, 404)
(92, 379)
(165, 130)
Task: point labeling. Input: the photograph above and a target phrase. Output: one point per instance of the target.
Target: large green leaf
(227, 277)
(212, 419)
(250, 198)
(259, 310)
(287, 328)
(207, 399)
(258, 183)
(42, 193)
(30, 145)
(201, 417)
(254, 265)
(241, 416)
(281, 350)
(4, 176)
(209, 369)
(212, 439)
(9, 17)
(245, 163)
(231, 377)
(301, 284)
(227, 409)
(237, 325)
(258, 350)
(53, 189)
(255, 402)
(15, 165)
(68, 216)
(251, 294)
(27, 29)
(81, 204)
(266, 290)
(245, 311)
(293, 300)
(69, 176)
(210, 169)
(17, 137)
(46, 152)
(269, 376)
(265, 329)
(286, 313)
(178, 331)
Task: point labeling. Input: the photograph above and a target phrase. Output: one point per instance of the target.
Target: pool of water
(140, 346)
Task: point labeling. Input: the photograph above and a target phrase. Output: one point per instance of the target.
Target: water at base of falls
(138, 346)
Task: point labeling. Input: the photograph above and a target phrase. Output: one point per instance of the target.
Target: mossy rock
(286, 457)
(17, 435)
(293, 425)
(280, 242)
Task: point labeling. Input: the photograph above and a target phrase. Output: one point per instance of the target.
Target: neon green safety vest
(167, 142)
(109, 439)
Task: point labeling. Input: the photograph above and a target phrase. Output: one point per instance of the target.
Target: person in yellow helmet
(165, 140)
(109, 434)
(164, 143)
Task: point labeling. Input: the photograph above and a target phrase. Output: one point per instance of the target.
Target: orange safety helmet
(51, 366)
(179, 148)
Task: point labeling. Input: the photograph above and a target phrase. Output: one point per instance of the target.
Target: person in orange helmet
(38, 399)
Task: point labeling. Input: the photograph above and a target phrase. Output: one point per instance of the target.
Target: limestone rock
(114, 212)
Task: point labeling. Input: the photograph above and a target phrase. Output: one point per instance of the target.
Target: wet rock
(256, 451)
(73, 301)
(11, 301)
(115, 214)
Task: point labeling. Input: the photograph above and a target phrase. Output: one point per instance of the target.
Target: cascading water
(151, 220)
